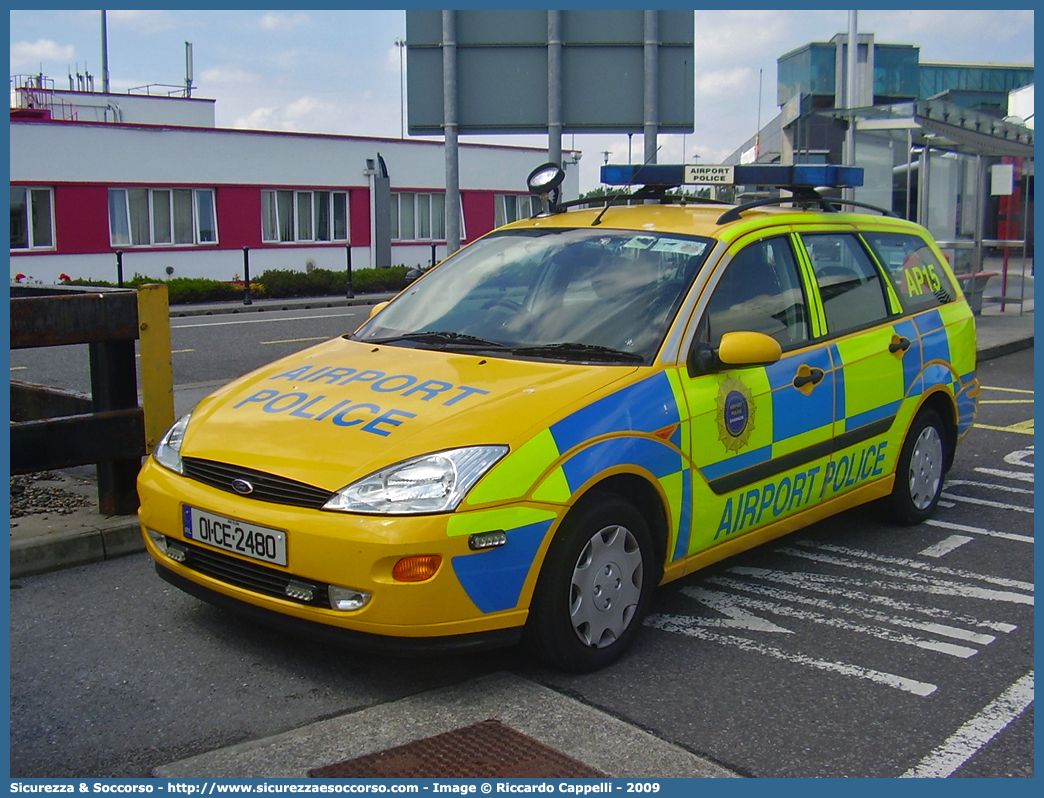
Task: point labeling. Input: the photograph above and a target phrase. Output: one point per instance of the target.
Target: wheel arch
(646, 498)
(946, 407)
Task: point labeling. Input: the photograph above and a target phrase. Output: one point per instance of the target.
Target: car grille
(249, 576)
(267, 487)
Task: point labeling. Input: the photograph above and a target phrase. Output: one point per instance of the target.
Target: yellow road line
(1022, 427)
(19, 368)
(1006, 401)
(1009, 390)
(296, 340)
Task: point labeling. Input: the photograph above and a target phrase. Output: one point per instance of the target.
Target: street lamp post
(401, 44)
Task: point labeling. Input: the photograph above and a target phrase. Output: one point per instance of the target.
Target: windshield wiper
(580, 351)
(442, 338)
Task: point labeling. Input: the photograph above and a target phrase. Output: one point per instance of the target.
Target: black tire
(920, 470)
(594, 587)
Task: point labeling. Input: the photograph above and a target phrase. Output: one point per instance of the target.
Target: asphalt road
(851, 648)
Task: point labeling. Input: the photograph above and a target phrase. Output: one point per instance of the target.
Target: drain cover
(486, 750)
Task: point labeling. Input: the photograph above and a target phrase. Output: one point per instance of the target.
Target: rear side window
(918, 277)
(852, 290)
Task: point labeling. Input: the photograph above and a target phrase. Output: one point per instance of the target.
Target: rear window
(919, 279)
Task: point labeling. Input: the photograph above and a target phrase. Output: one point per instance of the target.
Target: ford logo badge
(242, 486)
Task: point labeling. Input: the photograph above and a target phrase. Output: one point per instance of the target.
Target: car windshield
(577, 295)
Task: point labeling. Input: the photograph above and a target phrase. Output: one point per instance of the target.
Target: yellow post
(157, 374)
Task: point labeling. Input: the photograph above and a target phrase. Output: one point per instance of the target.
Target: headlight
(168, 450)
(433, 483)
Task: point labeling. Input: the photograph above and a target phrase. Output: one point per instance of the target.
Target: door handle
(811, 377)
(899, 344)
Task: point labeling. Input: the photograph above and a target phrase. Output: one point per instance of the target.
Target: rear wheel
(594, 588)
(920, 470)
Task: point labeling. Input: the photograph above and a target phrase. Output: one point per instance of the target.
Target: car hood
(341, 410)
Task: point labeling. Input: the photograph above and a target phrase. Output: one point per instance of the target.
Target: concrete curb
(1006, 348)
(609, 744)
(260, 306)
(67, 548)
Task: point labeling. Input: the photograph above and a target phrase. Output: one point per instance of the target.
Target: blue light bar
(779, 175)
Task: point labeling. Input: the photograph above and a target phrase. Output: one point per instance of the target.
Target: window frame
(435, 212)
(276, 223)
(500, 211)
(29, 206)
(121, 208)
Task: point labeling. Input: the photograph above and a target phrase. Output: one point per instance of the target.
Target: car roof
(703, 219)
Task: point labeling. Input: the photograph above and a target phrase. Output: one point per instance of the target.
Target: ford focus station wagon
(570, 411)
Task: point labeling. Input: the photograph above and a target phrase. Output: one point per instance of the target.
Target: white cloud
(283, 22)
(726, 82)
(230, 76)
(30, 54)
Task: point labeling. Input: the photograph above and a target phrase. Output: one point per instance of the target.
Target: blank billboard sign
(502, 71)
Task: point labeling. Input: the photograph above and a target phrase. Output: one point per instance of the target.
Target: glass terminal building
(929, 136)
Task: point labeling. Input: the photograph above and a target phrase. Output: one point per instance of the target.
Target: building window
(32, 218)
(142, 217)
(512, 207)
(418, 217)
(289, 216)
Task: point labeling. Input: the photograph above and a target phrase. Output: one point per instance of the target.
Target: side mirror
(736, 349)
(377, 309)
(748, 349)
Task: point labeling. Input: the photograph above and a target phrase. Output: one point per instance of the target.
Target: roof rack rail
(804, 197)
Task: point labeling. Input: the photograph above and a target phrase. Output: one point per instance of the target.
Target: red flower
(19, 277)
(65, 278)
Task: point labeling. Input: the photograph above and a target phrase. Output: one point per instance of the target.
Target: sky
(340, 71)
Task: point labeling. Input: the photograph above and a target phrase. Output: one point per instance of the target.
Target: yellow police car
(570, 411)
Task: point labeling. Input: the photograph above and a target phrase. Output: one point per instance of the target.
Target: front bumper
(356, 552)
(358, 641)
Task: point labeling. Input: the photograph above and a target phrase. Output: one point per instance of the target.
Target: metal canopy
(945, 126)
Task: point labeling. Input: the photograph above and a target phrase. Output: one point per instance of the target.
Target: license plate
(249, 540)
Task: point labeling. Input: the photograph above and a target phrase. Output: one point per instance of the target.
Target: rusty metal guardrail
(56, 428)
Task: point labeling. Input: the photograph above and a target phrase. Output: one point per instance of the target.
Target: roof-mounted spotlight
(544, 182)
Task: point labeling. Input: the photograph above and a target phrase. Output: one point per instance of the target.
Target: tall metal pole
(554, 87)
(449, 112)
(652, 84)
(401, 44)
(850, 93)
(105, 54)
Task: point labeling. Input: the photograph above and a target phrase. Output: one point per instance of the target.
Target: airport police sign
(709, 175)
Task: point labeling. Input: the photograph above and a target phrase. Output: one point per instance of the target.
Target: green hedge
(274, 284)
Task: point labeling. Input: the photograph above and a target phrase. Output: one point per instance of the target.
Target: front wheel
(594, 588)
(920, 471)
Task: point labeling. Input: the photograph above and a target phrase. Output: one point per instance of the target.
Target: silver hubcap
(926, 468)
(606, 585)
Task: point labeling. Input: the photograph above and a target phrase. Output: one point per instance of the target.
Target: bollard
(351, 290)
(246, 277)
(119, 268)
(433, 254)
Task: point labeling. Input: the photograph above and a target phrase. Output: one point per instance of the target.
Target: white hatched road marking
(872, 615)
(975, 530)
(689, 626)
(1022, 476)
(904, 562)
(944, 547)
(831, 585)
(987, 503)
(716, 600)
(1018, 458)
(968, 740)
(991, 485)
